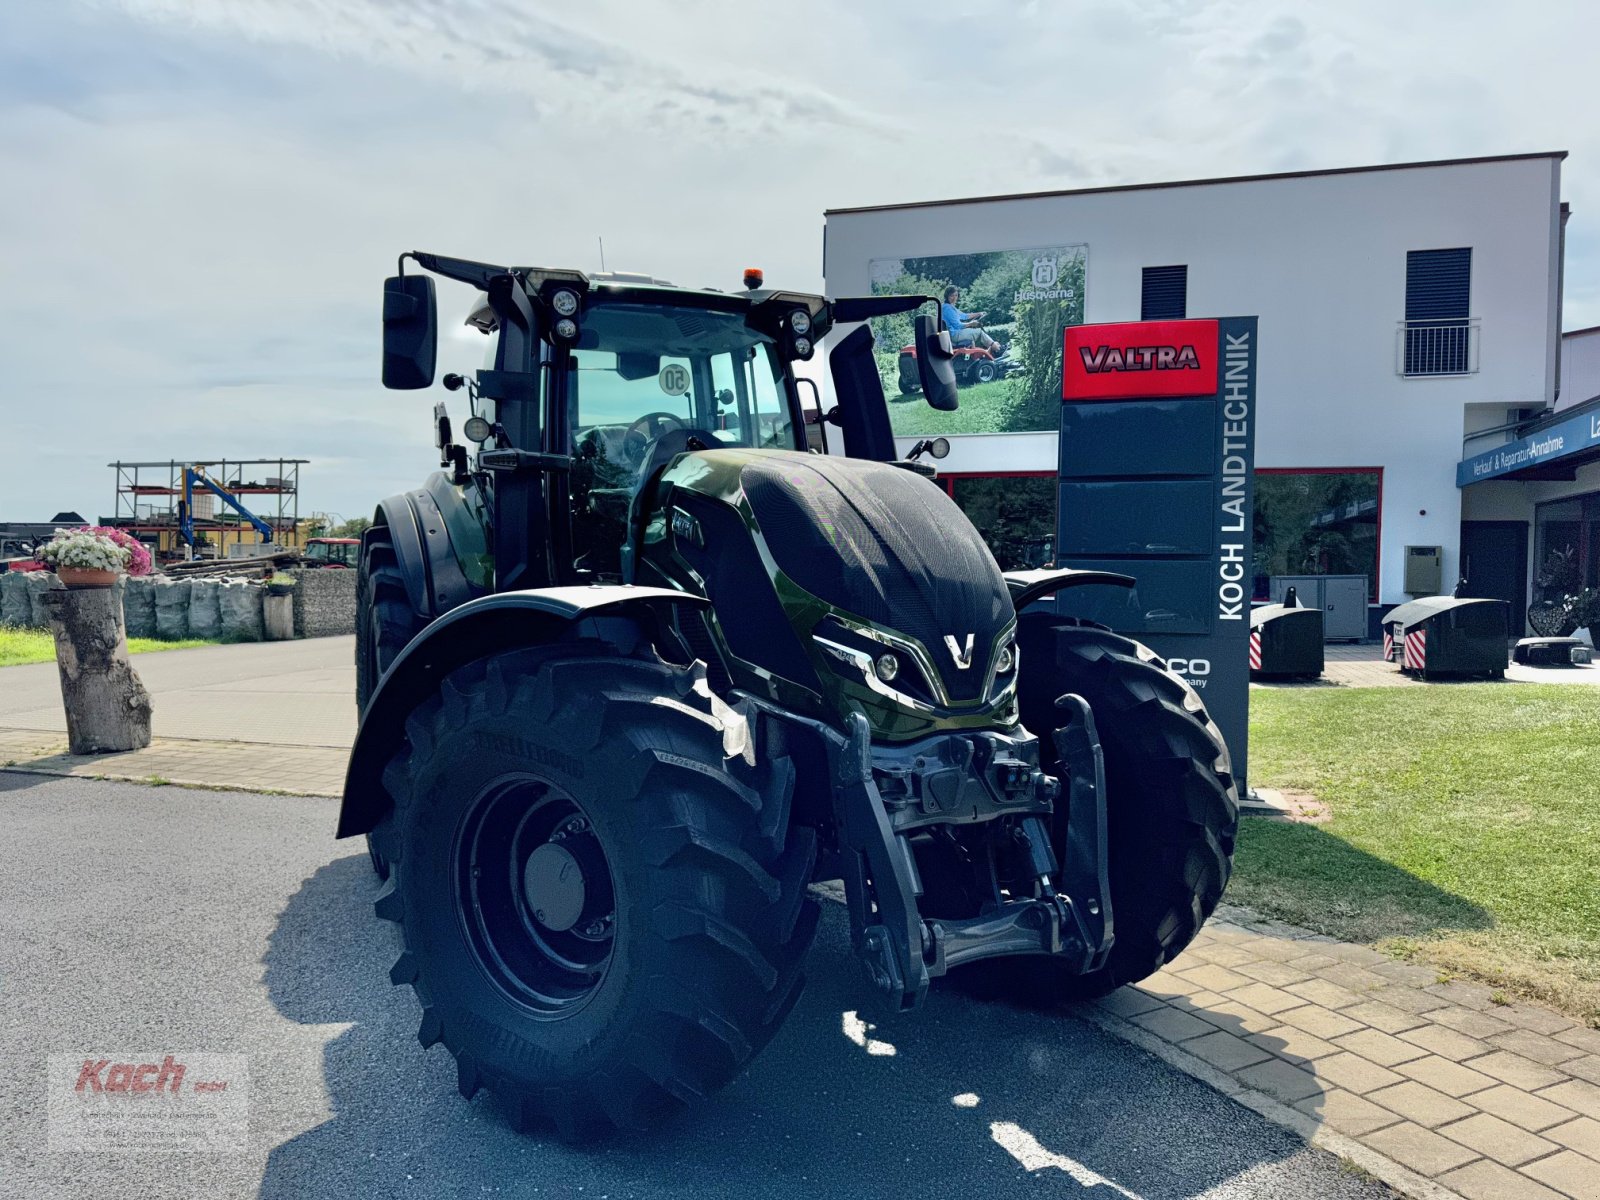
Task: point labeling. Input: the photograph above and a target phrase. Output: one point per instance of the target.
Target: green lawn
(18, 646)
(1465, 828)
(980, 411)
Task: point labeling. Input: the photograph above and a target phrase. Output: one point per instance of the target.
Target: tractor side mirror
(935, 367)
(410, 332)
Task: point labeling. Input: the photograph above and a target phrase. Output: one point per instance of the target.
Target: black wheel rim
(544, 940)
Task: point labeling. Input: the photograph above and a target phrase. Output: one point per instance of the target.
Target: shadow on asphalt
(961, 1099)
(16, 781)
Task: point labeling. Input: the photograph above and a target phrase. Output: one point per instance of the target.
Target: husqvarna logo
(961, 654)
(1044, 272)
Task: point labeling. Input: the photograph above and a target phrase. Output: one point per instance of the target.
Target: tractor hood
(865, 559)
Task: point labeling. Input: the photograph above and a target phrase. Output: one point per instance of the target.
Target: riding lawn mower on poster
(969, 364)
(639, 667)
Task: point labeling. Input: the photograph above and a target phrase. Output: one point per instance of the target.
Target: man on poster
(964, 326)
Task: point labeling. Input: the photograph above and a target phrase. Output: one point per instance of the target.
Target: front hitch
(1069, 917)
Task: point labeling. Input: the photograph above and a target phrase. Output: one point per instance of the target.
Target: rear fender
(509, 621)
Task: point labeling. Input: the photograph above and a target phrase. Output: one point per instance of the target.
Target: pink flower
(140, 563)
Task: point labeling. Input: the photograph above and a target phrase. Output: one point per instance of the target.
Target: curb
(192, 785)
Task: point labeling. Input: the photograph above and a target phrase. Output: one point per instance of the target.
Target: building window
(1567, 547)
(1016, 514)
(1317, 523)
(1438, 336)
(1165, 294)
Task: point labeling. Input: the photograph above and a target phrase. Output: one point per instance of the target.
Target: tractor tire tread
(723, 883)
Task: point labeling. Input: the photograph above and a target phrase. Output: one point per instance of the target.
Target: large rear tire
(1172, 809)
(617, 998)
(385, 625)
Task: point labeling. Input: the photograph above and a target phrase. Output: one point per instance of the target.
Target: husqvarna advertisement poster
(1005, 310)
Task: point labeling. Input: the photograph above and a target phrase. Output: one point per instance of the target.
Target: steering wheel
(646, 430)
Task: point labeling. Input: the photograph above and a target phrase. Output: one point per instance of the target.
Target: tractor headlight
(1007, 660)
(567, 329)
(887, 667)
(802, 347)
(565, 303)
(800, 321)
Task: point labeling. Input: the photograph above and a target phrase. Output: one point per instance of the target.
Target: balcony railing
(1446, 347)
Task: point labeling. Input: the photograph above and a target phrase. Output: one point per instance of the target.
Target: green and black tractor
(661, 646)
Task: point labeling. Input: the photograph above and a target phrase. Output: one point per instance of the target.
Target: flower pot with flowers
(107, 708)
(84, 558)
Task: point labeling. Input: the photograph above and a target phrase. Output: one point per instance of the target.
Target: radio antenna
(602, 242)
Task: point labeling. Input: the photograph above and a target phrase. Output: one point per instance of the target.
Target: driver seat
(661, 453)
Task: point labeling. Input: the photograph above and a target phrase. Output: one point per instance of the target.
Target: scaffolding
(148, 496)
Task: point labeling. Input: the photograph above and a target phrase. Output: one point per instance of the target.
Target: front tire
(678, 815)
(1172, 811)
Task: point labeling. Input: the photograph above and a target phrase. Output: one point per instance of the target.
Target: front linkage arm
(942, 780)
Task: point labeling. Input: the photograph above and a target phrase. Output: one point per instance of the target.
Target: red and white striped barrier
(1416, 650)
(1255, 650)
(1388, 647)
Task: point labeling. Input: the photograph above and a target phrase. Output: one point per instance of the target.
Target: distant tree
(353, 528)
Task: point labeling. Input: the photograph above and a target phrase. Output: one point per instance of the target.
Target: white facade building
(1327, 260)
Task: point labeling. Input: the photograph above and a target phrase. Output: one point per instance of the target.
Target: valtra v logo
(1139, 360)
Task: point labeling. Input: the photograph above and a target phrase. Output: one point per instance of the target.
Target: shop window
(1165, 294)
(1016, 514)
(1566, 547)
(1317, 523)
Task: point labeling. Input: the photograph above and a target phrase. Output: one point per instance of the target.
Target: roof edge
(1181, 183)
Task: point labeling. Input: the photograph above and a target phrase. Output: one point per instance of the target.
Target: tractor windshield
(645, 370)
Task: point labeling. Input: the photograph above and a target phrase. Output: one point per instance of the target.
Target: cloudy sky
(199, 198)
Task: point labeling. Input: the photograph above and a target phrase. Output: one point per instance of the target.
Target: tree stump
(107, 707)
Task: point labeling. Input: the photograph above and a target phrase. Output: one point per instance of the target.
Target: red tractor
(973, 364)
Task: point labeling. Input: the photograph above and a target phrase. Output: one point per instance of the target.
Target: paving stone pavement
(1466, 1096)
(236, 766)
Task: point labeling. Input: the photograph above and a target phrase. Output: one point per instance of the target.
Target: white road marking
(1025, 1148)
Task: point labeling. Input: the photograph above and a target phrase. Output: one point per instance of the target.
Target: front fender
(1028, 586)
(508, 621)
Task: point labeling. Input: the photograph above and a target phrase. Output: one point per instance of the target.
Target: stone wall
(325, 602)
(229, 610)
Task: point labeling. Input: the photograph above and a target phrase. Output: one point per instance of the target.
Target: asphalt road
(156, 919)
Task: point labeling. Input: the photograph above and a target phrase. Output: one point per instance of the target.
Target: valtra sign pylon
(1157, 461)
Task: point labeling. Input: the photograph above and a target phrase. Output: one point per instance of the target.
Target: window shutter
(1165, 296)
(1438, 284)
(1438, 305)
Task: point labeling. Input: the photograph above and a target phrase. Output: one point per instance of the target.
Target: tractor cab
(648, 381)
(332, 552)
(594, 384)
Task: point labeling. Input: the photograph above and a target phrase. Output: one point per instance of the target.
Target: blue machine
(186, 514)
